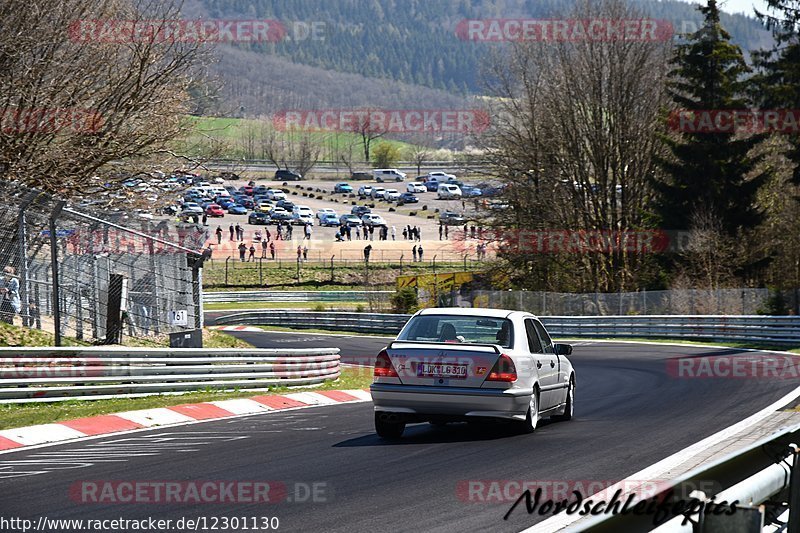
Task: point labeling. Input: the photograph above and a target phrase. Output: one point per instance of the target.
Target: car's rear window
(459, 329)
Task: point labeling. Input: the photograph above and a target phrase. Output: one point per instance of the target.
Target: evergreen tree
(777, 84)
(709, 173)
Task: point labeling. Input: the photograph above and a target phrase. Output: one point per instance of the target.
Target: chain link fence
(96, 276)
(668, 302)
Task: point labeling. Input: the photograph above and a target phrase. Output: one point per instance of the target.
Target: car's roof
(472, 311)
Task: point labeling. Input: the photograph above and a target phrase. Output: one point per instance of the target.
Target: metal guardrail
(55, 374)
(358, 322)
(771, 329)
(748, 328)
(294, 296)
(767, 469)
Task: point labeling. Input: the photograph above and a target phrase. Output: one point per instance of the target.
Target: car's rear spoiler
(495, 347)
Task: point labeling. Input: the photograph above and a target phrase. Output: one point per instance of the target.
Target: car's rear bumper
(418, 401)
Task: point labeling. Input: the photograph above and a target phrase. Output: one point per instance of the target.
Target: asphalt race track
(629, 414)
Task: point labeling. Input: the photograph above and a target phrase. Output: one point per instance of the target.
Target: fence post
(197, 291)
(54, 267)
(332, 257)
(226, 270)
(23, 262)
(116, 288)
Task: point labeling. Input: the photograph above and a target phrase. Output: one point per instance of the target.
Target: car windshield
(458, 329)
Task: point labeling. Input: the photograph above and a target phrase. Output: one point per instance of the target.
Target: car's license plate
(442, 370)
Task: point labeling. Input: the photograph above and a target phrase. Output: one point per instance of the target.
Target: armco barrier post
(794, 492)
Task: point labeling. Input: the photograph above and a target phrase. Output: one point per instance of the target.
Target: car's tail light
(503, 370)
(384, 367)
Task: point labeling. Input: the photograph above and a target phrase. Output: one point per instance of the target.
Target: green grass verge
(13, 416)
(382, 276)
(18, 336)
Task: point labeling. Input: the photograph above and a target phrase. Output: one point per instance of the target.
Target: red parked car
(213, 210)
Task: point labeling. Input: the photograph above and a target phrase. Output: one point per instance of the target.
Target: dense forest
(413, 42)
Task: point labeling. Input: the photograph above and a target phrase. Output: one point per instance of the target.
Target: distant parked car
(360, 176)
(377, 192)
(470, 191)
(451, 219)
(247, 203)
(391, 195)
(214, 210)
(408, 198)
(280, 214)
(286, 205)
(342, 188)
(192, 208)
(360, 210)
(325, 211)
(350, 220)
(328, 219)
(448, 192)
(257, 217)
(302, 218)
(364, 191)
(371, 219)
(388, 174)
(431, 186)
(415, 187)
(440, 176)
(288, 175)
(276, 194)
(266, 206)
(237, 209)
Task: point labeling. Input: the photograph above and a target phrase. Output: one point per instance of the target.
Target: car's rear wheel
(388, 428)
(569, 406)
(532, 417)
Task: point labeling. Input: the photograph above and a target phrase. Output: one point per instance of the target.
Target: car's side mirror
(562, 349)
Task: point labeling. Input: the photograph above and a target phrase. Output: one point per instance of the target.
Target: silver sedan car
(455, 364)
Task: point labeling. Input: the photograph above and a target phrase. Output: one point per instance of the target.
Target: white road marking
(311, 398)
(40, 434)
(154, 417)
(119, 450)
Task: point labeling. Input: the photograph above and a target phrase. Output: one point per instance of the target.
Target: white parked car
(377, 192)
(391, 195)
(440, 177)
(447, 191)
(371, 219)
(325, 211)
(388, 174)
(303, 210)
(364, 191)
(301, 219)
(275, 194)
(455, 364)
(415, 187)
